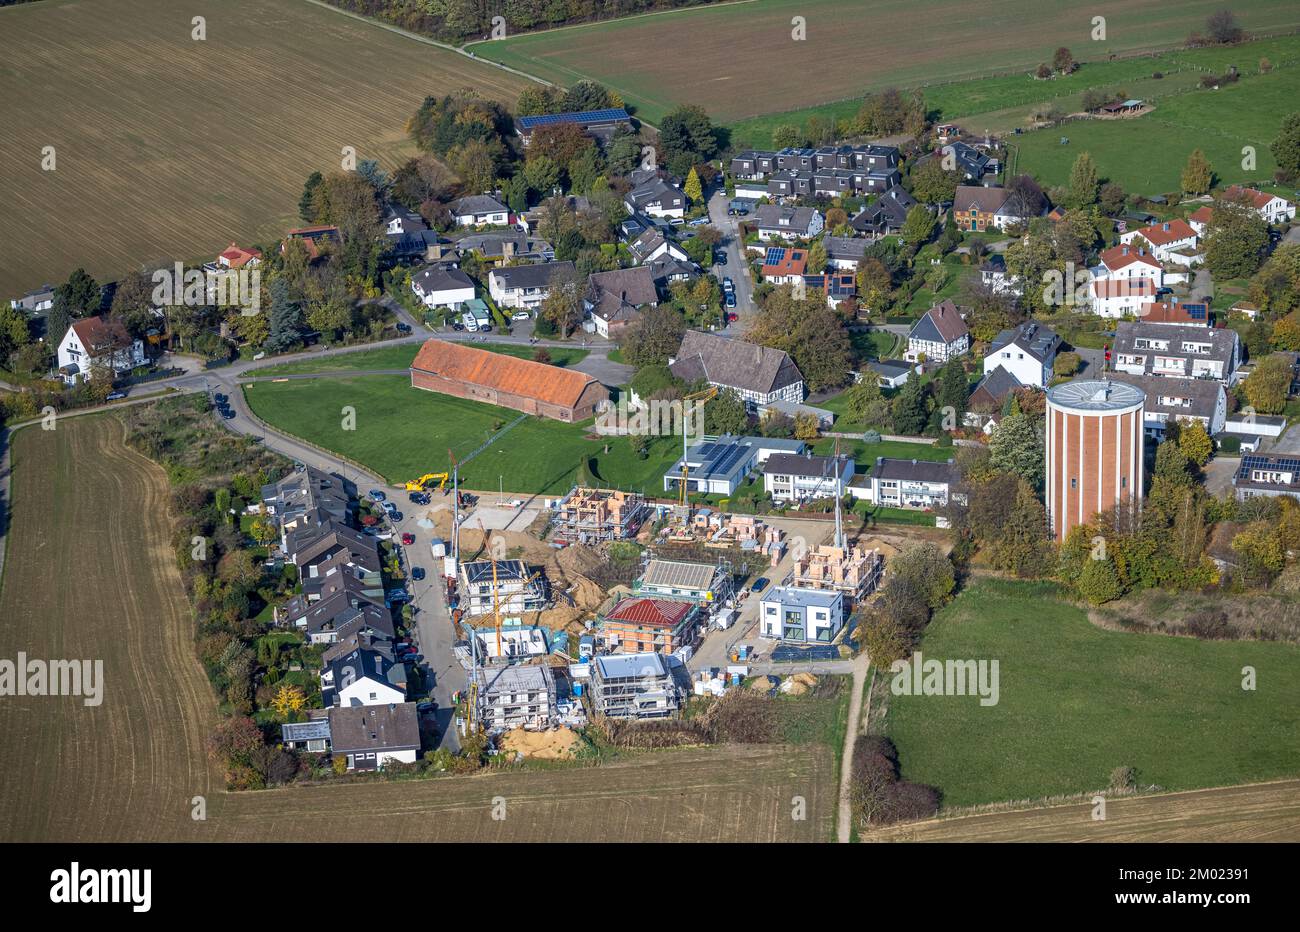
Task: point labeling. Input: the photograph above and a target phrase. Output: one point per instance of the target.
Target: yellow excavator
(419, 485)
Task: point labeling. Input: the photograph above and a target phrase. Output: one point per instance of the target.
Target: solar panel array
(1279, 463)
(775, 255)
(1197, 311)
(590, 116)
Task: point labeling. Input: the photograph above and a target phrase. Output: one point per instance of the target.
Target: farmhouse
(759, 374)
(939, 336)
(641, 624)
(497, 379)
(369, 737)
(97, 343)
(600, 124)
(441, 287)
(479, 210)
(525, 286)
(980, 208)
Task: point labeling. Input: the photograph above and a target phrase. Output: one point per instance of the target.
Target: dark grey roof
(1203, 394)
(657, 189)
(887, 212)
(733, 363)
(478, 204)
(609, 291)
(844, 247)
(793, 464)
(391, 727)
(1221, 339)
(795, 220)
(436, 278)
(918, 470)
(531, 276)
(941, 324)
(1038, 340)
(890, 367)
(996, 384)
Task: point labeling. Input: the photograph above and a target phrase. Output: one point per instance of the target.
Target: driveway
(735, 267)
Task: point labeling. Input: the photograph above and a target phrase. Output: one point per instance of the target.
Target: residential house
(1271, 207)
(312, 735)
(886, 214)
(655, 197)
(500, 246)
(633, 686)
(994, 277)
(836, 286)
(236, 257)
(679, 581)
(989, 395)
(317, 239)
(479, 210)
(911, 484)
(1120, 297)
(790, 477)
(979, 208)
(525, 286)
(97, 343)
(1177, 313)
(1175, 351)
(1271, 475)
(1171, 241)
(889, 373)
(939, 336)
(364, 676)
(437, 286)
(1179, 399)
(1126, 263)
(322, 620)
(33, 302)
(602, 125)
(721, 466)
(517, 589)
(652, 245)
(805, 616)
(843, 253)
(613, 298)
(494, 378)
(641, 624)
(784, 265)
(517, 696)
(1027, 352)
(971, 163)
(304, 490)
(787, 223)
(369, 737)
(666, 269)
(759, 374)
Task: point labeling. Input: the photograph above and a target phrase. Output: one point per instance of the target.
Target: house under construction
(854, 571)
(589, 516)
(516, 696)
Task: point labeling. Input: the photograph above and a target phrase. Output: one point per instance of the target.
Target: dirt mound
(557, 744)
(763, 683)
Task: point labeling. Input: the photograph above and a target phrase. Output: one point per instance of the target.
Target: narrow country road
(844, 822)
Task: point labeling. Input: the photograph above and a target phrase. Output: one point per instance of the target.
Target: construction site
(593, 516)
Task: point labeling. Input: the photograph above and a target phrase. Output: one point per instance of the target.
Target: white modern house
(912, 484)
(788, 223)
(813, 616)
(525, 286)
(793, 477)
(480, 210)
(1173, 351)
(363, 677)
(97, 342)
(442, 287)
(1179, 399)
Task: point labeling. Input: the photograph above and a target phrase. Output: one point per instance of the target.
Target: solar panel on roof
(589, 116)
(774, 255)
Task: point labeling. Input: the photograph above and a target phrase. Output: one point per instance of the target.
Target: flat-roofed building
(633, 686)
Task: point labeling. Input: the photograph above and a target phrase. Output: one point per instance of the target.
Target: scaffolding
(590, 516)
(852, 570)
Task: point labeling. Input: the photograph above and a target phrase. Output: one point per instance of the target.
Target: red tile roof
(237, 257)
(97, 334)
(549, 384)
(1171, 312)
(1160, 234)
(792, 262)
(1202, 214)
(661, 613)
(1118, 257)
(1257, 199)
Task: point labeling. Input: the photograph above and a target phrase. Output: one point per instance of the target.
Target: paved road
(736, 267)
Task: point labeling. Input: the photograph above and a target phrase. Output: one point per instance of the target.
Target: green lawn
(865, 453)
(402, 432)
(873, 344)
(401, 356)
(1147, 154)
(1076, 701)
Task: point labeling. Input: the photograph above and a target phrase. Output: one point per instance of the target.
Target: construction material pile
(555, 744)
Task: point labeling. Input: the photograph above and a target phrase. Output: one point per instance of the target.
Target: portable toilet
(577, 689)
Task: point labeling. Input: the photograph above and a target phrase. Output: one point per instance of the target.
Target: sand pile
(763, 683)
(798, 684)
(557, 744)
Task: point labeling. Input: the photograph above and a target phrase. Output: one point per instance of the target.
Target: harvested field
(168, 148)
(1254, 813)
(721, 56)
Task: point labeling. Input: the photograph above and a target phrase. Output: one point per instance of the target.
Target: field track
(1253, 813)
(168, 148)
(91, 512)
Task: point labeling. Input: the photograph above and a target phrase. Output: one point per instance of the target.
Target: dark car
(227, 413)
(760, 584)
(417, 573)
(731, 299)
(403, 328)
(375, 495)
(396, 516)
(219, 398)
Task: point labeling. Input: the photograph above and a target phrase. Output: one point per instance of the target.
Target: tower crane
(703, 396)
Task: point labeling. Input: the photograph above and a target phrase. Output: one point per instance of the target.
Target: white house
(1272, 208)
(1125, 263)
(525, 286)
(657, 198)
(97, 342)
(1173, 351)
(1027, 352)
(791, 477)
(788, 223)
(940, 335)
(40, 299)
(479, 210)
(913, 484)
(801, 615)
(1120, 297)
(652, 245)
(368, 737)
(1178, 399)
(759, 374)
(440, 287)
(363, 677)
(1171, 240)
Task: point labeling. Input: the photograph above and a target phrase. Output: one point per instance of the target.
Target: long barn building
(497, 379)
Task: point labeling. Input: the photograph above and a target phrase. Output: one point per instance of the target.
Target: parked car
(417, 573)
(115, 396)
(408, 539)
(457, 326)
(732, 318)
(396, 595)
(521, 315)
(403, 328)
(760, 584)
(219, 398)
(731, 299)
(375, 495)
(227, 413)
(389, 508)
(395, 516)
(413, 658)
(699, 221)
(728, 284)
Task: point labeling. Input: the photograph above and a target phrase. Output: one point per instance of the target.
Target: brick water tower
(1094, 450)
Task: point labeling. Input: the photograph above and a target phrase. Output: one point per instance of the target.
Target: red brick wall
(584, 409)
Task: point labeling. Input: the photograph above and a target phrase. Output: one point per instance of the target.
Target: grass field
(1077, 701)
(539, 455)
(724, 57)
(402, 355)
(1147, 154)
(167, 148)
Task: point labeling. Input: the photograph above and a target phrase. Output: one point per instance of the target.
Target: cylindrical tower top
(1096, 396)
